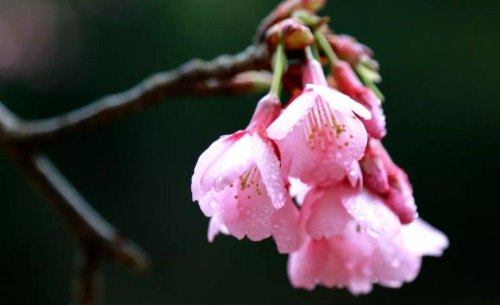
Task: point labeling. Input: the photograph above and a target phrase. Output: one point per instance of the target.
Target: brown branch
(98, 239)
(88, 283)
(150, 91)
(85, 223)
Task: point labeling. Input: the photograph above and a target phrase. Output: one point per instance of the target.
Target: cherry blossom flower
(237, 181)
(388, 180)
(348, 83)
(347, 48)
(353, 240)
(319, 134)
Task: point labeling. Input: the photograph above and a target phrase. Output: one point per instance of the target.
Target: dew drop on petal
(373, 233)
(213, 204)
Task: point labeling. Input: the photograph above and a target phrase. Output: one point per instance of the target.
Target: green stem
(315, 52)
(368, 82)
(325, 46)
(278, 69)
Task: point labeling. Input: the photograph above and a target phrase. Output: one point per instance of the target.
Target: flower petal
(291, 116)
(269, 166)
(328, 215)
(205, 161)
(237, 159)
(372, 214)
(306, 265)
(423, 239)
(286, 228)
(340, 101)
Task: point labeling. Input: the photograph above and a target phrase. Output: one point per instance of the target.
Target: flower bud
(312, 5)
(374, 173)
(349, 49)
(386, 179)
(349, 84)
(267, 110)
(294, 34)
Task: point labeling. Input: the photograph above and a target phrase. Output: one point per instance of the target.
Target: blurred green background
(441, 67)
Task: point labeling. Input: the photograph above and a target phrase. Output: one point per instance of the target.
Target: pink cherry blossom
(349, 49)
(319, 134)
(348, 83)
(237, 181)
(385, 178)
(352, 239)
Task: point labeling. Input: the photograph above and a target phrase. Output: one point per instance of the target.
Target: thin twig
(150, 91)
(85, 223)
(98, 239)
(88, 283)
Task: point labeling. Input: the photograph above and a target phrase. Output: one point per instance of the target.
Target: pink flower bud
(349, 49)
(400, 197)
(385, 178)
(348, 83)
(267, 110)
(374, 173)
(312, 73)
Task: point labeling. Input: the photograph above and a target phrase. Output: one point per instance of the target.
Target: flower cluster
(314, 175)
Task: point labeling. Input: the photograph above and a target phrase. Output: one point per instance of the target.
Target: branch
(149, 92)
(88, 282)
(98, 239)
(85, 223)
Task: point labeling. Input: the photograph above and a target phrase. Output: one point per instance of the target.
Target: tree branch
(98, 239)
(186, 79)
(88, 283)
(85, 223)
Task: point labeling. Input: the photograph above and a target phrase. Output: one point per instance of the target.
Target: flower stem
(368, 82)
(325, 46)
(279, 63)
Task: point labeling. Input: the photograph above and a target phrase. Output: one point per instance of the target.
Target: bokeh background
(441, 67)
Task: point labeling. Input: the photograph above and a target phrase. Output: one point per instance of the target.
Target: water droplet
(373, 233)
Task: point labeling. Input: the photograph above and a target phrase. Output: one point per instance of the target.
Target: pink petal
(291, 116)
(230, 214)
(328, 215)
(246, 209)
(394, 264)
(374, 174)
(209, 156)
(349, 261)
(312, 73)
(372, 214)
(306, 265)
(269, 166)
(234, 161)
(215, 227)
(209, 203)
(354, 174)
(286, 228)
(423, 239)
(340, 101)
(400, 196)
(316, 158)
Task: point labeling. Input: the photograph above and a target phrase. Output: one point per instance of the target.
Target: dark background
(441, 70)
